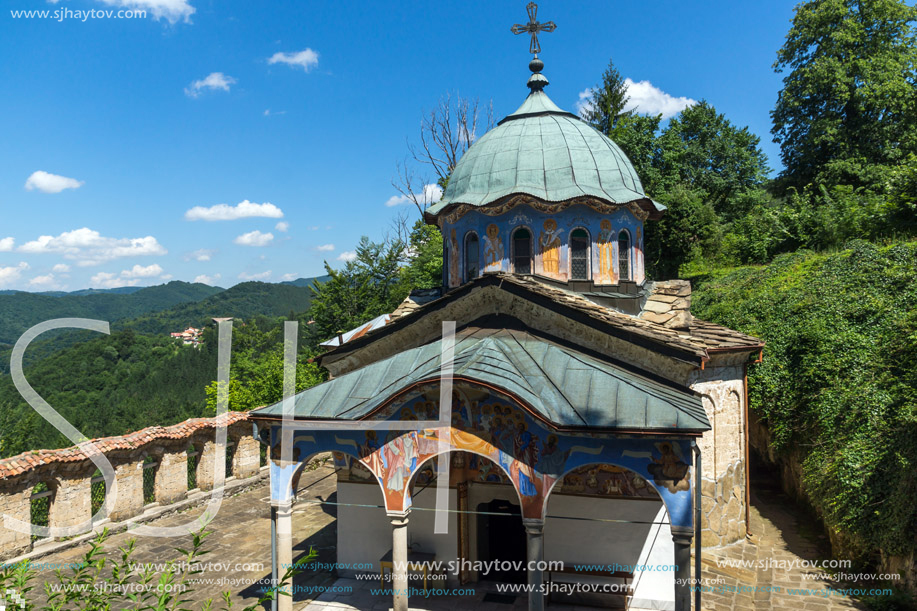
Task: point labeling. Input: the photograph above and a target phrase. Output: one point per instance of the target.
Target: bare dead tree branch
(446, 132)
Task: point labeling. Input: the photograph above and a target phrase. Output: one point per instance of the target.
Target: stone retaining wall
(68, 473)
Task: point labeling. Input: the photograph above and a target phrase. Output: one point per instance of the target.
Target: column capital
(282, 505)
(398, 518)
(682, 534)
(533, 526)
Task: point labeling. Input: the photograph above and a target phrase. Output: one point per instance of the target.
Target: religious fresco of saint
(549, 242)
(525, 450)
(493, 249)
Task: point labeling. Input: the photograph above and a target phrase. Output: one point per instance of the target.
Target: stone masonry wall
(68, 473)
(723, 499)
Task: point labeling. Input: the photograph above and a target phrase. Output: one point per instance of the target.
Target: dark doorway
(502, 537)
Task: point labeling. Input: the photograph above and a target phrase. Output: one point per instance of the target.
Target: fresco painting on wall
(551, 253)
(511, 446)
(606, 248)
(493, 249)
(454, 278)
(550, 248)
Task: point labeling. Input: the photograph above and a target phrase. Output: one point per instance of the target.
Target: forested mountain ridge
(244, 300)
(20, 311)
(139, 376)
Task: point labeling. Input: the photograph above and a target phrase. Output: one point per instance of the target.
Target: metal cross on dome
(533, 27)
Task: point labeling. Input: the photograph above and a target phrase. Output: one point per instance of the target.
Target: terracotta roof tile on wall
(27, 461)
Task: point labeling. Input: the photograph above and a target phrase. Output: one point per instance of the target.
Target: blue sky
(117, 133)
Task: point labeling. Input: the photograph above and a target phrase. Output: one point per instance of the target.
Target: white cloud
(46, 283)
(60, 268)
(254, 238)
(213, 81)
(170, 10)
(645, 98)
(166, 277)
(347, 255)
(273, 113)
(431, 194)
(201, 254)
(142, 272)
(584, 104)
(9, 275)
(262, 276)
(205, 279)
(305, 59)
(107, 280)
(325, 248)
(289, 277)
(242, 210)
(6, 244)
(50, 183)
(88, 247)
(282, 226)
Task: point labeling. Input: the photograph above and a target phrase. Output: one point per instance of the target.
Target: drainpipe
(697, 515)
(274, 580)
(747, 464)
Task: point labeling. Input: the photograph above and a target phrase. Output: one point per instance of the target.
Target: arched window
(193, 455)
(472, 255)
(522, 251)
(96, 492)
(40, 505)
(624, 255)
(579, 255)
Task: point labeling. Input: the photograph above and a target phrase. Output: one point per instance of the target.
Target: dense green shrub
(839, 378)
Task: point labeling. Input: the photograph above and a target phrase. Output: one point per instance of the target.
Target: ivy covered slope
(838, 383)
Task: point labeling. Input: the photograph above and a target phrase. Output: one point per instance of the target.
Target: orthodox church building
(548, 403)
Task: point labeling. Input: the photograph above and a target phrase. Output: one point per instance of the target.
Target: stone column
(682, 537)
(399, 560)
(172, 477)
(129, 500)
(71, 504)
(534, 530)
(14, 502)
(205, 475)
(248, 456)
(284, 542)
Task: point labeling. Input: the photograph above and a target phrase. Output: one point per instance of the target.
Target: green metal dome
(543, 151)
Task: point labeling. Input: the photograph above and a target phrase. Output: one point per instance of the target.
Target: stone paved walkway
(241, 534)
(776, 543)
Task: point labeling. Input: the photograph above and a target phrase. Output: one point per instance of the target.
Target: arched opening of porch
(607, 525)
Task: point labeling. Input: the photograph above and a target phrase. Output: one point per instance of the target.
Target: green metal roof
(565, 386)
(546, 152)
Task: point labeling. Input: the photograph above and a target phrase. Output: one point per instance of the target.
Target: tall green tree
(424, 269)
(702, 148)
(848, 108)
(368, 286)
(607, 102)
